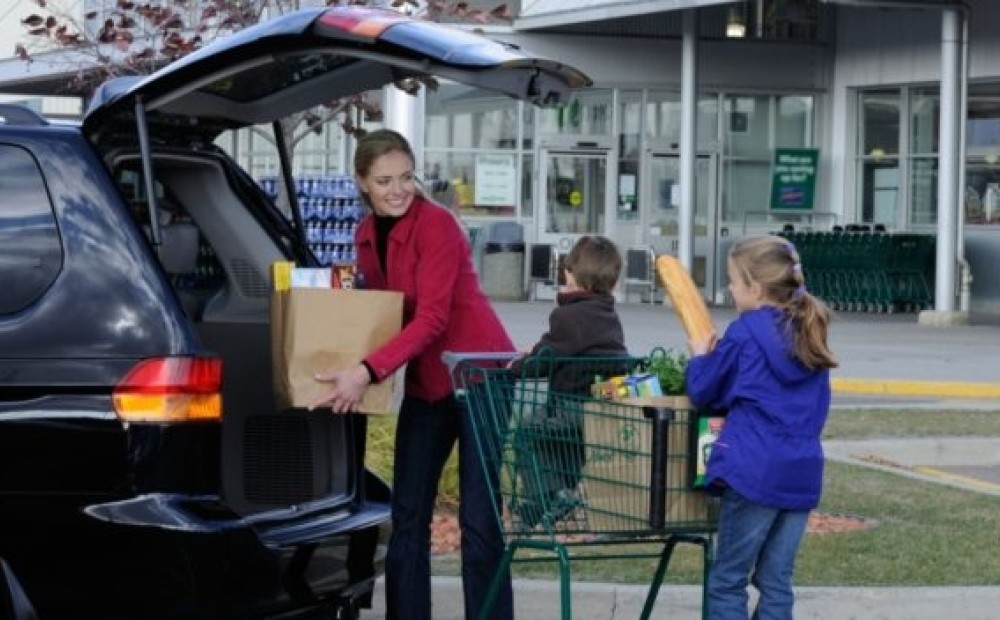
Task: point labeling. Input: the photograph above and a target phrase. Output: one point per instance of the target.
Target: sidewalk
(885, 360)
(539, 600)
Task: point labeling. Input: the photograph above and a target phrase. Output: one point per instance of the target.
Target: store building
(673, 147)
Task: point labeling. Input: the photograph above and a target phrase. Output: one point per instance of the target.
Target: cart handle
(452, 359)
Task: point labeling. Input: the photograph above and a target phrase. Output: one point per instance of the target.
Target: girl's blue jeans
(756, 544)
(425, 435)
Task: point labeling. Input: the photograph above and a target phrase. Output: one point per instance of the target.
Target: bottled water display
(331, 208)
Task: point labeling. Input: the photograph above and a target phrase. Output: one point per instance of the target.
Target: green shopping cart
(573, 471)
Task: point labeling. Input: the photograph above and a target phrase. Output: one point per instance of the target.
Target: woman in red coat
(417, 247)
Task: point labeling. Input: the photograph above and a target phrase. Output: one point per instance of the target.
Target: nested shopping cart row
(570, 472)
(868, 272)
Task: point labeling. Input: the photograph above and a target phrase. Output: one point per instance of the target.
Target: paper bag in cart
(319, 329)
(617, 472)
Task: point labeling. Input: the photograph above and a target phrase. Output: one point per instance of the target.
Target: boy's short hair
(595, 263)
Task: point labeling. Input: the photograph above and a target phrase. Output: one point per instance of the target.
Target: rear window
(30, 250)
(258, 82)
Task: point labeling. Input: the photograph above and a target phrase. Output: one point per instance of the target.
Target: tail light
(171, 389)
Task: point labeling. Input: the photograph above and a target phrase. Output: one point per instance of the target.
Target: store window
(629, 150)
(461, 116)
(753, 126)
(313, 154)
(878, 162)
(922, 155)
(472, 157)
(746, 162)
(794, 121)
(886, 160)
(586, 113)
(663, 119)
(982, 168)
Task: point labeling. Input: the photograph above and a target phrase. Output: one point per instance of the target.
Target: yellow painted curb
(965, 480)
(891, 387)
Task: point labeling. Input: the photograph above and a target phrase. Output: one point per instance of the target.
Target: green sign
(793, 179)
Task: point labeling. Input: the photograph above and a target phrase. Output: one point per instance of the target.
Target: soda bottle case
(330, 207)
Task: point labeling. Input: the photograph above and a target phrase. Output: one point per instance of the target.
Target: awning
(48, 73)
(537, 14)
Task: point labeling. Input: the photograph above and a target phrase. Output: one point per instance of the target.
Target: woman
(411, 245)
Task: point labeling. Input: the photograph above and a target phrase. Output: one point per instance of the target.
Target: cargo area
(217, 254)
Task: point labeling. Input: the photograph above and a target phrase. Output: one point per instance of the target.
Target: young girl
(770, 371)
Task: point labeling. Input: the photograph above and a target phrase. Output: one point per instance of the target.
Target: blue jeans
(425, 435)
(755, 544)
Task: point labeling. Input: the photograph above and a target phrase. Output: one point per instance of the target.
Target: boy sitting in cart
(583, 323)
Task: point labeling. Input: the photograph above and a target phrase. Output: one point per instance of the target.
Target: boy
(584, 323)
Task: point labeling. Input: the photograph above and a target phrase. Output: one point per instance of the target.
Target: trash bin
(503, 270)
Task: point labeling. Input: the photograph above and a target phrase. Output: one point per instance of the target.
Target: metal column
(689, 139)
(949, 159)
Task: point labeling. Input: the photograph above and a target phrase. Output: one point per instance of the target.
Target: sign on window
(793, 179)
(496, 180)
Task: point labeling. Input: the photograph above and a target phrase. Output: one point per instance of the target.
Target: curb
(903, 387)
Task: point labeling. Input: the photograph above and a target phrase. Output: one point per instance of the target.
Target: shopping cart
(570, 471)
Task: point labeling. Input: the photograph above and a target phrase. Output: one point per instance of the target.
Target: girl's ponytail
(809, 319)
(774, 263)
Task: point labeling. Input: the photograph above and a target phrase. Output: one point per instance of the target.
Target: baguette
(685, 297)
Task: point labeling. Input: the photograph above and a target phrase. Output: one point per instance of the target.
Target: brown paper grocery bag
(617, 471)
(317, 329)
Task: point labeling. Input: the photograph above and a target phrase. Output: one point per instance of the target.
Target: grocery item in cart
(685, 297)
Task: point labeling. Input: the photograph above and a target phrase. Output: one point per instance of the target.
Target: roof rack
(17, 114)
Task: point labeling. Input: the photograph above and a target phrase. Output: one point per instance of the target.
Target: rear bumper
(173, 556)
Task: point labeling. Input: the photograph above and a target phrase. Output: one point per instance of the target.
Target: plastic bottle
(991, 203)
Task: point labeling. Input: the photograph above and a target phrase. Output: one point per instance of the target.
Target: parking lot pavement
(891, 352)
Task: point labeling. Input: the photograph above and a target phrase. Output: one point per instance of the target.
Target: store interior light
(736, 24)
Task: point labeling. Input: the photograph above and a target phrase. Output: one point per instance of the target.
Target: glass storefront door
(574, 186)
(662, 212)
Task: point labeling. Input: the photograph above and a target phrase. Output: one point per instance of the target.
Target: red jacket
(429, 260)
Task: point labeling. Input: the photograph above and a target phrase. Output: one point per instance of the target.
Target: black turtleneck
(383, 226)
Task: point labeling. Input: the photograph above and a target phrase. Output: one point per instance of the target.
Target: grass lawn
(926, 534)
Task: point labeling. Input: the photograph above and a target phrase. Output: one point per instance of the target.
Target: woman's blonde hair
(774, 264)
(375, 144)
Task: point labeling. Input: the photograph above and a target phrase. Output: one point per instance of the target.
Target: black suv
(144, 468)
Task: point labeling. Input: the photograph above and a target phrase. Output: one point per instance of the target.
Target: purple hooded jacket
(769, 450)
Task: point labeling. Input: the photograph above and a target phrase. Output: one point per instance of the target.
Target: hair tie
(797, 267)
(799, 292)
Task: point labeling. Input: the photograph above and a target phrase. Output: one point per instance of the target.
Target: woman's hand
(516, 359)
(702, 346)
(348, 388)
